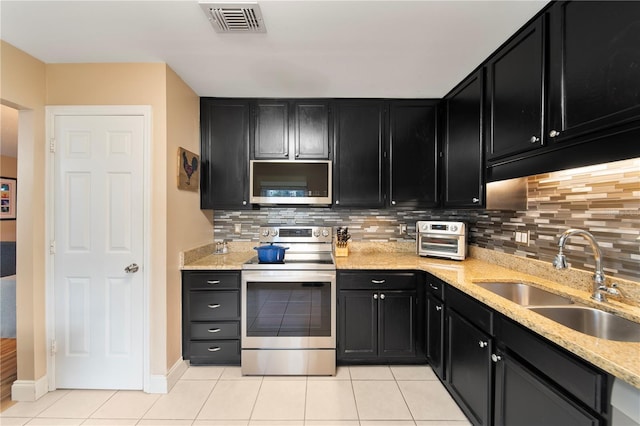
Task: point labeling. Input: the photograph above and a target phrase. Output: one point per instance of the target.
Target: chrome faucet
(560, 262)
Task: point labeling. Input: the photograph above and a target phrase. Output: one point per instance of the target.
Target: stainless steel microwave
(290, 182)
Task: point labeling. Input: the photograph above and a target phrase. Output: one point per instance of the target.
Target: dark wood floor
(8, 370)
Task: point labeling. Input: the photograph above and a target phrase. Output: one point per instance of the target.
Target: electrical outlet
(238, 228)
(522, 237)
(402, 228)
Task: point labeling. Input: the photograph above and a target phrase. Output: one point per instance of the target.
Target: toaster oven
(444, 239)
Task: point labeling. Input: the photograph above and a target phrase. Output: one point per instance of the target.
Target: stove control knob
(265, 232)
(325, 232)
(274, 232)
(454, 228)
(425, 227)
(316, 233)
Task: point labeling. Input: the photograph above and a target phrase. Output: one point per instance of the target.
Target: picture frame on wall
(188, 170)
(7, 198)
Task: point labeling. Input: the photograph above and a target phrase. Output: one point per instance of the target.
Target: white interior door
(98, 231)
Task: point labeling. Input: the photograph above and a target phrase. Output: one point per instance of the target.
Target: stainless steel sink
(524, 294)
(593, 322)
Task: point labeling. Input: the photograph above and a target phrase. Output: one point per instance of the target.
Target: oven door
(442, 245)
(288, 309)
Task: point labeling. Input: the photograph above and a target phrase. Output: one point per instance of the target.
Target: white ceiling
(312, 48)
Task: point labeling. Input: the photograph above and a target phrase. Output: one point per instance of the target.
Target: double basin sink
(584, 319)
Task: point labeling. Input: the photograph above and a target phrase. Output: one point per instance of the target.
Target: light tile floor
(208, 396)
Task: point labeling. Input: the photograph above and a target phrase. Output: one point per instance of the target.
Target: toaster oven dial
(325, 232)
(316, 233)
(274, 232)
(454, 228)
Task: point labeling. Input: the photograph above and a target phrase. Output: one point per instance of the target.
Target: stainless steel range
(289, 308)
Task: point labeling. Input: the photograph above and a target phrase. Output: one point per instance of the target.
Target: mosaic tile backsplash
(603, 199)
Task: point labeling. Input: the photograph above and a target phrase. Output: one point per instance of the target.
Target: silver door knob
(131, 269)
(375, 296)
(438, 308)
(534, 139)
(382, 296)
(475, 200)
(496, 358)
(554, 133)
(483, 344)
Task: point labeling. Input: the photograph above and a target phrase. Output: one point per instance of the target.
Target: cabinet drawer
(580, 379)
(196, 280)
(479, 315)
(435, 286)
(212, 305)
(215, 330)
(215, 352)
(377, 280)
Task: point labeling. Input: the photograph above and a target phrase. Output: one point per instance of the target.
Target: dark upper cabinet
(515, 82)
(358, 169)
(463, 144)
(413, 154)
(594, 66)
(291, 130)
(224, 153)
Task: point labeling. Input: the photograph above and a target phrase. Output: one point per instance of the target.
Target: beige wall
(187, 225)
(176, 223)
(8, 168)
(23, 86)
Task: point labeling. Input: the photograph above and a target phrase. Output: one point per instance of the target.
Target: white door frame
(101, 110)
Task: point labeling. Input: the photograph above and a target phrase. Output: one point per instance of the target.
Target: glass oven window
(288, 309)
(439, 244)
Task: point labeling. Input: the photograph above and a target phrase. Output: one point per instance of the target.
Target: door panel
(98, 230)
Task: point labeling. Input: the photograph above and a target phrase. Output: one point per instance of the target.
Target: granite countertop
(621, 359)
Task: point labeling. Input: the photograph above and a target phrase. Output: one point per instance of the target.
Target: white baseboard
(29, 390)
(163, 383)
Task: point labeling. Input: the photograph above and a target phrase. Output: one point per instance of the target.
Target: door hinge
(54, 347)
(52, 247)
(52, 145)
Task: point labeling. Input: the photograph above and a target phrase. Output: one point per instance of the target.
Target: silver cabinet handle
(393, 203)
(244, 203)
(132, 269)
(496, 358)
(213, 305)
(554, 134)
(483, 344)
(438, 308)
(378, 281)
(382, 296)
(337, 201)
(214, 330)
(475, 200)
(534, 139)
(212, 282)
(214, 349)
(435, 287)
(375, 296)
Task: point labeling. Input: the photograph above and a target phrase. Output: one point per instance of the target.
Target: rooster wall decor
(188, 170)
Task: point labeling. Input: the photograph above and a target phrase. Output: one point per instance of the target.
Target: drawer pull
(214, 349)
(212, 282)
(433, 286)
(483, 344)
(378, 281)
(214, 305)
(438, 308)
(214, 330)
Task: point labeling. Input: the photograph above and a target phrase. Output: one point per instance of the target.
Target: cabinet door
(396, 324)
(595, 71)
(523, 398)
(358, 324)
(311, 130)
(469, 368)
(359, 154)
(413, 154)
(435, 335)
(463, 145)
(515, 84)
(224, 153)
(271, 138)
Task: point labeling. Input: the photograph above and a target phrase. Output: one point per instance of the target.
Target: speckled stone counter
(621, 359)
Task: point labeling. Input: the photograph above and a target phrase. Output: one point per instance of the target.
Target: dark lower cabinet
(211, 317)
(435, 325)
(469, 369)
(523, 398)
(378, 318)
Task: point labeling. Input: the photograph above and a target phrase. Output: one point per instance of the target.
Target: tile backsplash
(603, 199)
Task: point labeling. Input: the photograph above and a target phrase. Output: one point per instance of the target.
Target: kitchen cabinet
(378, 317)
(594, 69)
(463, 169)
(515, 83)
(224, 155)
(359, 155)
(435, 325)
(413, 154)
(211, 317)
(469, 345)
(296, 130)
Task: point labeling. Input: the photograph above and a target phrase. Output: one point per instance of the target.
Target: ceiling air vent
(234, 17)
